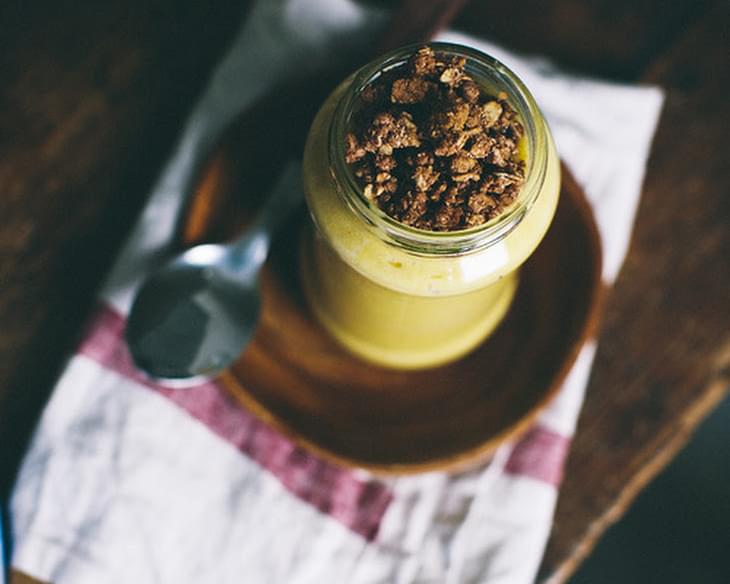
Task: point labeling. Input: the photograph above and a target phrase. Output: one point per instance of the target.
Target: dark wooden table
(92, 97)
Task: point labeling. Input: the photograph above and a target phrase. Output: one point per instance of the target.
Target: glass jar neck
(492, 76)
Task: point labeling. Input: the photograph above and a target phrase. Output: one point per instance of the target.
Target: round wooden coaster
(297, 378)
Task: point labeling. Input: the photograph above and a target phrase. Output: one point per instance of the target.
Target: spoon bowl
(193, 317)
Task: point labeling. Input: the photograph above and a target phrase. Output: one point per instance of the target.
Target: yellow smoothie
(404, 306)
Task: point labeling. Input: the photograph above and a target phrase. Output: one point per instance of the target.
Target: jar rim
(481, 67)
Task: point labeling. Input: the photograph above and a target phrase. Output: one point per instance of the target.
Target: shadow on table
(677, 530)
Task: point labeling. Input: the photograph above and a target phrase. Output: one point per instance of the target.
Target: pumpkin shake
(430, 176)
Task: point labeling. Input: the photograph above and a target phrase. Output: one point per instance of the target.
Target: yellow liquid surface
(397, 308)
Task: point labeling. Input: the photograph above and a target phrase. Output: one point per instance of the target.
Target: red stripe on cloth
(358, 504)
(540, 454)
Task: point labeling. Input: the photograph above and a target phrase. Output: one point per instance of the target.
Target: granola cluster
(432, 149)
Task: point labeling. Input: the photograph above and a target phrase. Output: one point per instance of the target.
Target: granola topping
(432, 149)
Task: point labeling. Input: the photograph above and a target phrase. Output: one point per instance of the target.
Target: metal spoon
(193, 317)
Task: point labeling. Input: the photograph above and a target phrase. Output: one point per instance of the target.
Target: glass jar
(404, 297)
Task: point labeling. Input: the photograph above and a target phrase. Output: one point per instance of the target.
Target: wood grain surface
(93, 95)
(664, 356)
(92, 98)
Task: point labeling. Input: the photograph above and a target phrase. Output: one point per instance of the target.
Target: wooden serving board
(297, 378)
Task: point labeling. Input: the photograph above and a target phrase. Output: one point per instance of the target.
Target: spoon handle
(248, 252)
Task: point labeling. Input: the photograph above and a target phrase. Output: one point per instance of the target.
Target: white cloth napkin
(130, 482)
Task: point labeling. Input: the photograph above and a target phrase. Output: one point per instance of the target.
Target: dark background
(678, 528)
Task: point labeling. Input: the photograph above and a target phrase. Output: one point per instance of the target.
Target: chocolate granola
(432, 149)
